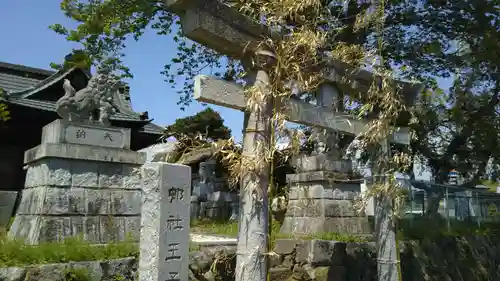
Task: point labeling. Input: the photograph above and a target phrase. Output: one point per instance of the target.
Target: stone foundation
(79, 189)
(319, 203)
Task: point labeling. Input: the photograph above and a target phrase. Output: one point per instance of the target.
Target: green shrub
(426, 227)
(77, 274)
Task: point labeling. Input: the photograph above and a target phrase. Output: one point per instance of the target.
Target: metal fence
(454, 204)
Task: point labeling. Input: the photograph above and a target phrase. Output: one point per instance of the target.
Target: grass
(14, 252)
(214, 227)
(231, 229)
(17, 253)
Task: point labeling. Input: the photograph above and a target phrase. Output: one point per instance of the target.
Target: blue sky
(27, 40)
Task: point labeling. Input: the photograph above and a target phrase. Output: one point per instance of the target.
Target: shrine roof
(15, 77)
(21, 83)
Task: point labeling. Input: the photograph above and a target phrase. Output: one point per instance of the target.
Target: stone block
(63, 131)
(47, 272)
(120, 269)
(287, 246)
(55, 229)
(280, 274)
(195, 209)
(164, 243)
(7, 204)
(346, 191)
(131, 176)
(216, 210)
(219, 196)
(83, 152)
(105, 270)
(110, 175)
(98, 201)
(311, 225)
(55, 172)
(111, 229)
(12, 273)
(49, 172)
(52, 201)
(32, 176)
(133, 228)
(322, 162)
(125, 202)
(86, 227)
(34, 229)
(325, 177)
(320, 208)
(19, 228)
(224, 36)
(84, 173)
(91, 229)
(320, 252)
(59, 201)
(32, 201)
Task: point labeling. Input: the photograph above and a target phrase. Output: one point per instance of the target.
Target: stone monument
(205, 186)
(164, 246)
(82, 179)
(319, 201)
(210, 198)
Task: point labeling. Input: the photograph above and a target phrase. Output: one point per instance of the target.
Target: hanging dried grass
(299, 62)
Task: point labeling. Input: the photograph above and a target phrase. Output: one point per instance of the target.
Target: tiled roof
(18, 79)
(23, 68)
(20, 90)
(51, 106)
(15, 83)
(151, 128)
(148, 128)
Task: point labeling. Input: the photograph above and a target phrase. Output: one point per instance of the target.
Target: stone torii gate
(229, 94)
(223, 29)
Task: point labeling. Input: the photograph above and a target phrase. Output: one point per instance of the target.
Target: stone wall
(468, 259)
(7, 203)
(120, 269)
(446, 259)
(69, 197)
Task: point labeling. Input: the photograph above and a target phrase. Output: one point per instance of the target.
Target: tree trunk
(251, 262)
